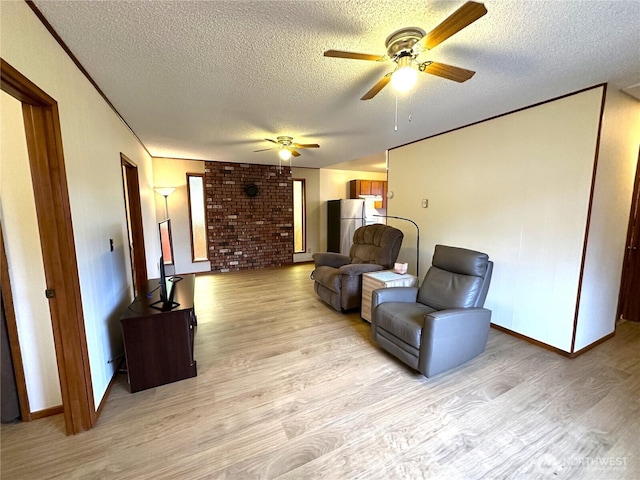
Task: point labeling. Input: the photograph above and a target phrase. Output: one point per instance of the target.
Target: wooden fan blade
(353, 55)
(262, 150)
(294, 153)
(461, 18)
(269, 140)
(377, 87)
(306, 145)
(449, 72)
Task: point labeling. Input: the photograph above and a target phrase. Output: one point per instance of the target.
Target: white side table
(386, 278)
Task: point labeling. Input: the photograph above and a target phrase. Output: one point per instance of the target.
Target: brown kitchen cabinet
(369, 187)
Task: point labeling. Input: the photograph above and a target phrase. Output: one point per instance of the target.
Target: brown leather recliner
(338, 278)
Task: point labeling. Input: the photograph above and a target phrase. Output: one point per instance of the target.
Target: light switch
(425, 203)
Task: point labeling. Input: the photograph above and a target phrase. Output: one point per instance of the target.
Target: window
(197, 217)
(299, 224)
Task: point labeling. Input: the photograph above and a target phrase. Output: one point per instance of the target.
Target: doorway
(15, 402)
(133, 208)
(629, 302)
(53, 212)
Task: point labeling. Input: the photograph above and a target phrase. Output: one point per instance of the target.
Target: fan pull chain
(395, 128)
(410, 106)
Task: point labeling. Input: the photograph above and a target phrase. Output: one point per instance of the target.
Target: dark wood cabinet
(158, 344)
(369, 187)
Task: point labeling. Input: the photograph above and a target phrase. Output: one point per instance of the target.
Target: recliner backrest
(458, 278)
(377, 243)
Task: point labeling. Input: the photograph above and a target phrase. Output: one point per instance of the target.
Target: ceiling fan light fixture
(284, 154)
(405, 76)
(405, 45)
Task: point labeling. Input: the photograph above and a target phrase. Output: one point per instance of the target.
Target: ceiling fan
(287, 147)
(406, 44)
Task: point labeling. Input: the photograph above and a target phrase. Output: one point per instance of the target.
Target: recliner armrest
(452, 337)
(355, 269)
(394, 294)
(456, 322)
(330, 259)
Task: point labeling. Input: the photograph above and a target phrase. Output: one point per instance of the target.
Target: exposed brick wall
(248, 232)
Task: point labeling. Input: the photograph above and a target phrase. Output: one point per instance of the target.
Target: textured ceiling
(210, 79)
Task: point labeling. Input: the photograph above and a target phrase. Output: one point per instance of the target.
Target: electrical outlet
(425, 203)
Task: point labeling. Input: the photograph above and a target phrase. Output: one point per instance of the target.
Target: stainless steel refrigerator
(343, 218)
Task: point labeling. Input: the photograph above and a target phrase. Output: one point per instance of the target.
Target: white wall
(169, 172)
(334, 185)
(93, 138)
(24, 256)
(617, 160)
(516, 187)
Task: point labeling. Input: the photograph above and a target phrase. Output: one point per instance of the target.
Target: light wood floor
(288, 388)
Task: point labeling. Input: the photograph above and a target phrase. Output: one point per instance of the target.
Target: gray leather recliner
(441, 324)
(338, 278)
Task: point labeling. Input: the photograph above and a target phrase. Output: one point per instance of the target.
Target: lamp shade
(165, 191)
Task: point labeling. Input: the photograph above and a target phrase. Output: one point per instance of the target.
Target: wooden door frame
(53, 212)
(634, 214)
(304, 217)
(139, 260)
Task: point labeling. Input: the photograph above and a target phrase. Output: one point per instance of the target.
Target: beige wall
(617, 161)
(92, 138)
(173, 173)
(517, 187)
